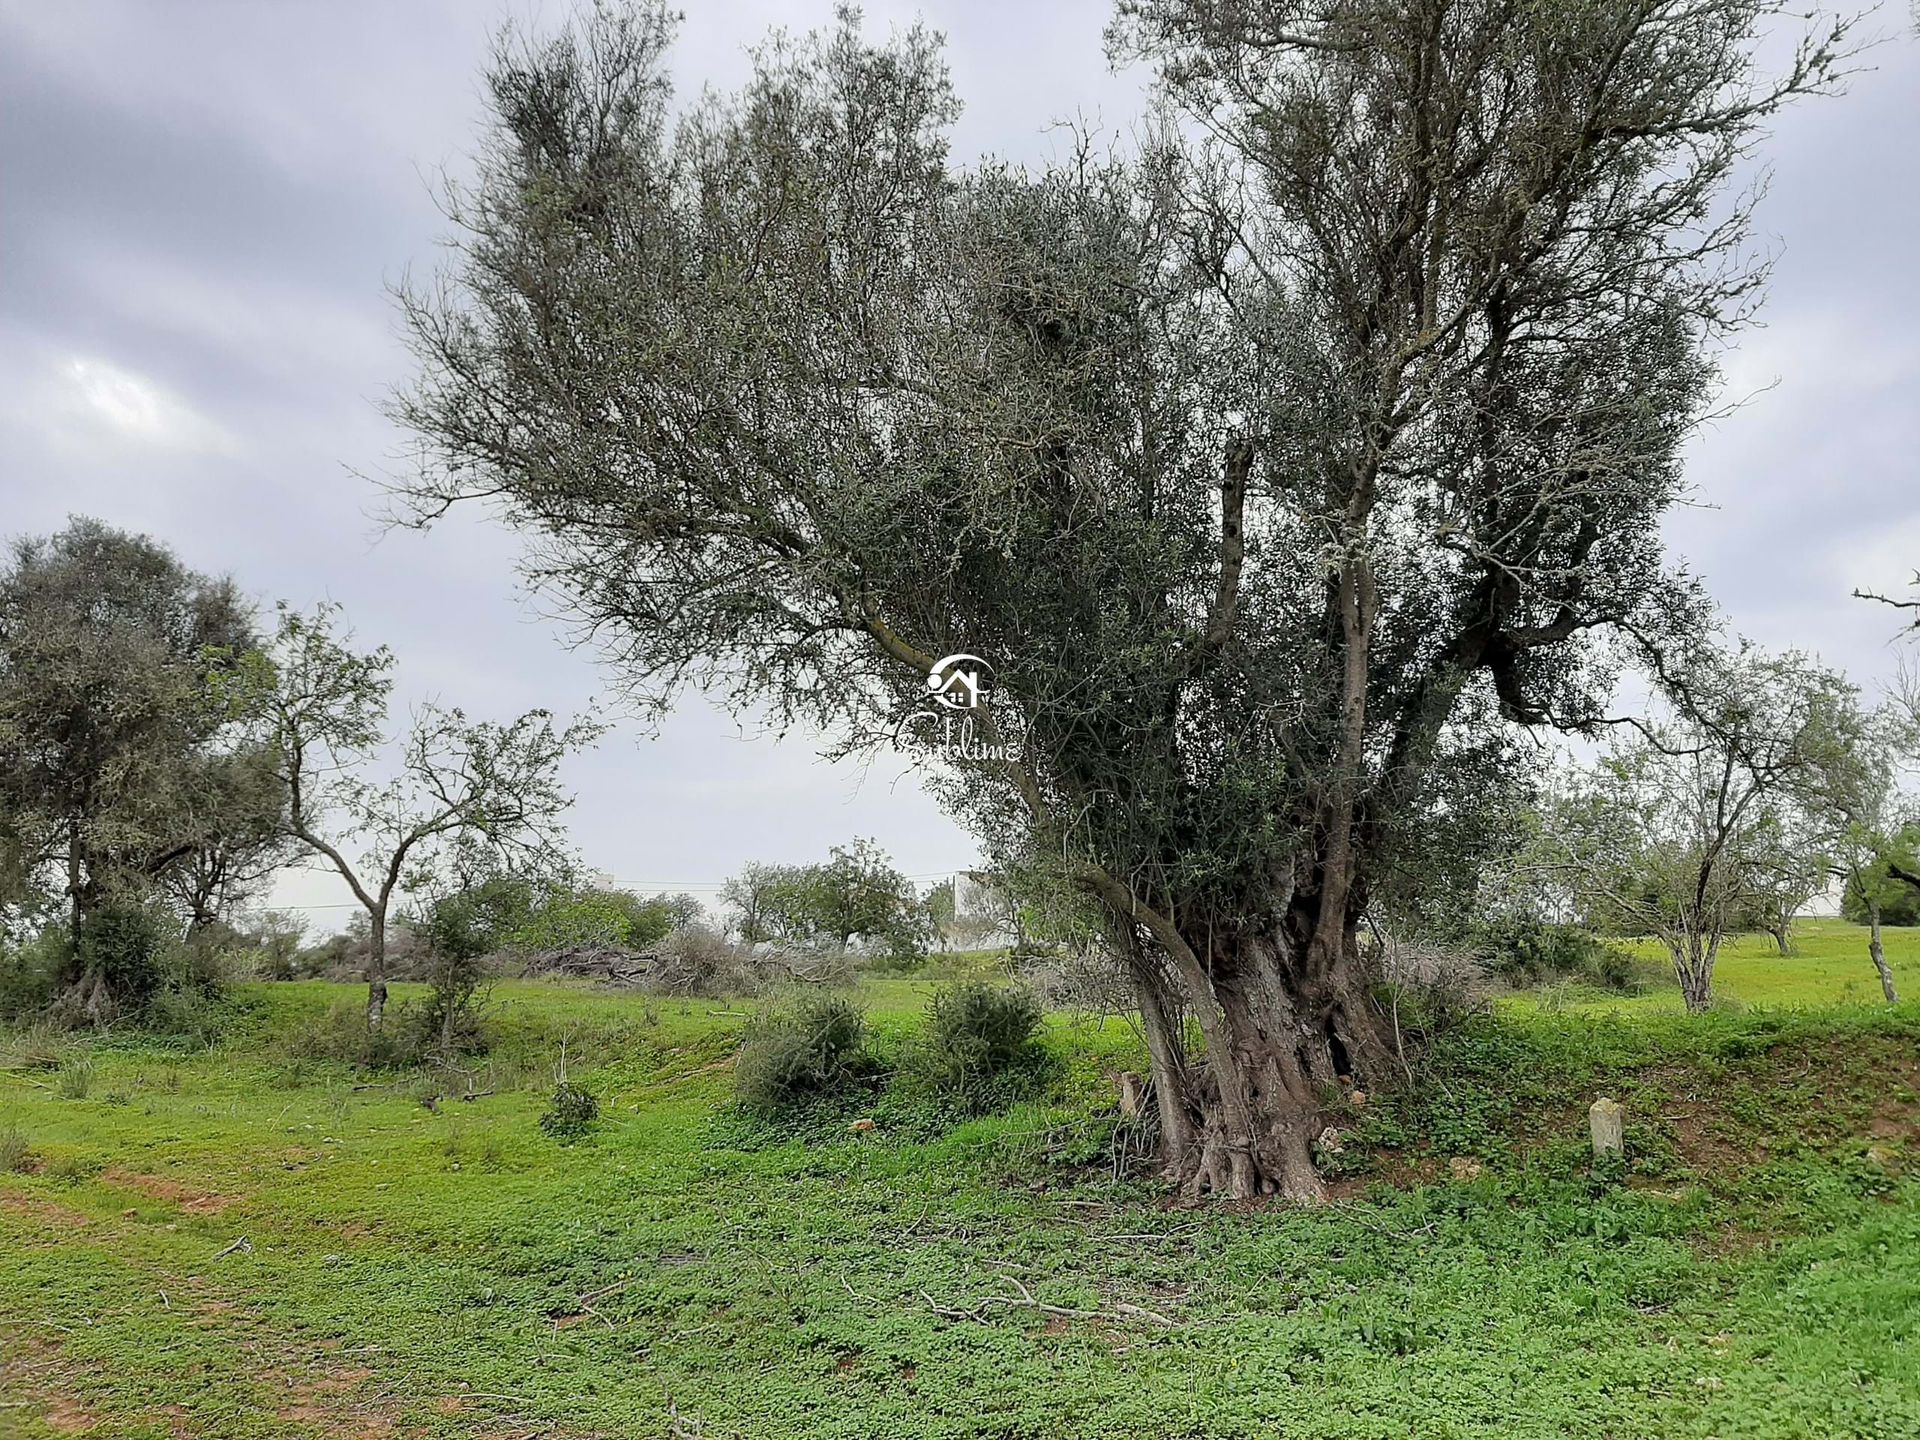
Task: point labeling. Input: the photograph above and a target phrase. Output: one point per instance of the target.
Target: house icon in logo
(959, 681)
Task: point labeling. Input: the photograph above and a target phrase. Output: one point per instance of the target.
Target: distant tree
(1869, 842)
(234, 836)
(276, 938)
(1787, 865)
(745, 897)
(1272, 469)
(119, 767)
(859, 893)
(595, 916)
(1876, 888)
(1669, 833)
(856, 894)
(480, 917)
(941, 912)
(324, 710)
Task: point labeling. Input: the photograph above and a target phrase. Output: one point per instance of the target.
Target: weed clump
(16, 1156)
(571, 1113)
(792, 1056)
(76, 1078)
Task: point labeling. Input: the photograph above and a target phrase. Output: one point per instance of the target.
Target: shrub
(188, 1012)
(1614, 969)
(979, 1047)
(697, 960)
(1524, 951)
(117, 961)
(30, 973)
(1430, 990)
(448, 1023)
(341, 1034)
(571, 1113)
(800, 1053)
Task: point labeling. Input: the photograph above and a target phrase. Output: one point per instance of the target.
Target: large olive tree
(121, 760)
(1271, 473)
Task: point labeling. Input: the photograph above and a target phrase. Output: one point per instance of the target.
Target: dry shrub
(1431, 988)
(696, 960)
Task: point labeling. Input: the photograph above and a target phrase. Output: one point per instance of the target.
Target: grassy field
(236, 1241)
(1828, 966)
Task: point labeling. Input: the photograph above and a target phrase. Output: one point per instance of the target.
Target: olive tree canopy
(1275, 474)
(122, 763)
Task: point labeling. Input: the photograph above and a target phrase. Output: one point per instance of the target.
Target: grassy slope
(453, 1272)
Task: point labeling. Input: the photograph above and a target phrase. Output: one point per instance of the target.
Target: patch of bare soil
(172, 1192)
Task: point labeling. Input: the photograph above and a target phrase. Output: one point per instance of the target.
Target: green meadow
(237, 1239)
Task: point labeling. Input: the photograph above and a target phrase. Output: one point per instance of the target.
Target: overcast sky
(202, 204)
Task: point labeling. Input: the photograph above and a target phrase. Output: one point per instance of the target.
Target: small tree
(456, 781)
(746, 896)
(1787, 866)
(1854, 792)
(1668, 834)
(859, 893)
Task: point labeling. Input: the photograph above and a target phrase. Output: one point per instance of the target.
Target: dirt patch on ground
(41, 1209)
(171, 1192)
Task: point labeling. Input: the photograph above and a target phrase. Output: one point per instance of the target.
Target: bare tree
(1272, 475)
(458, 783)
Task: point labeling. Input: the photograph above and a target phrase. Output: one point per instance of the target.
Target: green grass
(1829, 966)
(1753, 1271)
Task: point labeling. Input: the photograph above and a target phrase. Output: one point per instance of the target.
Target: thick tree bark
(1286, 1019)
(1171, 1098)
(1879, 954)
(1297, 1028)
(1782, 933)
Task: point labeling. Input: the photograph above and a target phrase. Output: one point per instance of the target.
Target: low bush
(1614, 969)
(30, 974)
(1524, 951)
(192, 1013)
(75, 1078)
(571, 1113)
(791, 1056)
(340, 1033)
(449, 1022)
(980, 1048)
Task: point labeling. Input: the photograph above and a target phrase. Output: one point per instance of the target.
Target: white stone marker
(1608, 1120)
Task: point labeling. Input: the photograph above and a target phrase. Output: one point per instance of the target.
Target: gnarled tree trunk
(1286, 1021)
